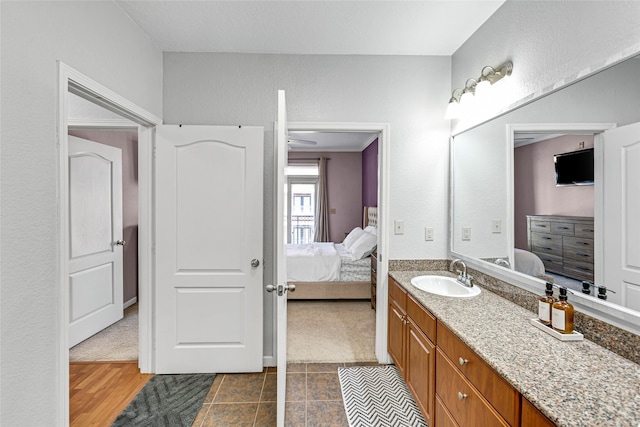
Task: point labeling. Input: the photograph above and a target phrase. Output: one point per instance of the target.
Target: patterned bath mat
(167, 401)
(376, 396)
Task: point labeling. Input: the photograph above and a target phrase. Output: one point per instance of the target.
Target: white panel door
(209, 205)
(95, 238)
(281, 288)
(622, 215)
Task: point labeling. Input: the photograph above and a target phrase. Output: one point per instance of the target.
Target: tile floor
(313, 398)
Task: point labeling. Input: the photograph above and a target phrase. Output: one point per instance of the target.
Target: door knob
(290, 288)
(271, 288)
(255, 263)
(120, 242)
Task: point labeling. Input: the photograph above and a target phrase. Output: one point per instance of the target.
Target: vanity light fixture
(476, 87)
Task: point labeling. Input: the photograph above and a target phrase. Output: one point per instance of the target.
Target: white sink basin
(445, 286)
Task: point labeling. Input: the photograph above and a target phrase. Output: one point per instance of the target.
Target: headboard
(370, 216)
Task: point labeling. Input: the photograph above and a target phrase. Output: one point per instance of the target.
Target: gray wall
(547, 41)
(97, 39)
(408, 92)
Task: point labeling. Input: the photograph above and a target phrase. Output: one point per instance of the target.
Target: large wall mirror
(510, 217)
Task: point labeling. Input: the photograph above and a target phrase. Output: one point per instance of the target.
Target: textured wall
(127, 141)
(344, 182)
(534, 186)
(408, 92)
(97, 39)
(546, 41)
(370, 175)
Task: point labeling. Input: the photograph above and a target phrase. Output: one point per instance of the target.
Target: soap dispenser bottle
(562, 314)
(545, 304)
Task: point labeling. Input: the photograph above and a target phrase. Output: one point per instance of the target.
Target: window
(302, 181)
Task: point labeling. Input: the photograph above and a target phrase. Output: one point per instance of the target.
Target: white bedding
(313, 262)
(325, 262)
(528, 263)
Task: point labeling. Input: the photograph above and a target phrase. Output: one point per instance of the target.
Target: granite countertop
(572, 383)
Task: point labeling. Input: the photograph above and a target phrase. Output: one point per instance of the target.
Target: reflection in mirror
(503, 171)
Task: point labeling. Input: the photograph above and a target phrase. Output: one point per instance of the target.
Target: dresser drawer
(546, 240)
(495, 389)
(422, 318)
(564, 228)
(547, 248)
(578, 270)
(541, 226)
(550, 261)
(582, 255)
(461, 399)
(584, 230)
(578, 244)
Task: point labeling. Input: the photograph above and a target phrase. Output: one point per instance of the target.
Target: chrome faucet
(462, 275)
(502, 262)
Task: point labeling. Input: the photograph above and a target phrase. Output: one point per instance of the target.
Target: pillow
(352, 237)
(371, 229)
(364, 246)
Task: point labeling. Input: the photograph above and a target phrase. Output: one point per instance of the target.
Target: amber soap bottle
(545, 305)
(562, 314)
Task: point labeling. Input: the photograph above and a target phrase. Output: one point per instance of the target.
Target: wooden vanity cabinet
(532, 417)
(411, 331)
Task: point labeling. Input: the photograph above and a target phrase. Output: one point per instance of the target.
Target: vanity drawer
(422, 318)
(461, 399)
(397, 293)
(443, 417)
(496, 390)
(541, 239)
(564, 228)
(541, 226)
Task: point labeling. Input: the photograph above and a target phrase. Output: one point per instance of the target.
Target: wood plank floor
(98, 392)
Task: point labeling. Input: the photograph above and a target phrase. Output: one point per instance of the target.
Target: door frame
(384, 143)
(71, 80)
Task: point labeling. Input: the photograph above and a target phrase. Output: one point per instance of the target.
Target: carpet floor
(167, 401)
(330, 331)
(118, 342)
(376, 396)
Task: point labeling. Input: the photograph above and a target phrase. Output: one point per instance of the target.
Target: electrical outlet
(496, 226)
(581, 145)
(466, 233)
(398, 226)
(428, 234)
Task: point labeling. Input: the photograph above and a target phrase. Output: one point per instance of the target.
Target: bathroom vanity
(478, 361)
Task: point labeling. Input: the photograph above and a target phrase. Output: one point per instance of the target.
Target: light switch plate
(466, 233)
(398, 226)
(428, 234)
(496, 226)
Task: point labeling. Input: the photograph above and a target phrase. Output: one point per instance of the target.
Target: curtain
(322, 204)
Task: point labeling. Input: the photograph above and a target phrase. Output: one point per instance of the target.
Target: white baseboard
(269, 361)
(130, 302)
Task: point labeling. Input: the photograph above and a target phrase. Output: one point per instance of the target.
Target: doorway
(74, 82)
(380, 133)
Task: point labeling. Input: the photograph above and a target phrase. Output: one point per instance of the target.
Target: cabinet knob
(461, 395)
(462, 361)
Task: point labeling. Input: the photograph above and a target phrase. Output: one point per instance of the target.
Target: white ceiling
(330, 141)
(311, 27)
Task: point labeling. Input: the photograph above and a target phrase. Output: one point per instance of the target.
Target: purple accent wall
(127, 141)
(370, 175)
(344, 181)
(535, 191)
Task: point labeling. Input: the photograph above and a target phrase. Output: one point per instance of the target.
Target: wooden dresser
(374, 279)
(563, 243)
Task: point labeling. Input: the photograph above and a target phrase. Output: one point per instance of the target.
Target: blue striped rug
(376, 396)
(167, 401)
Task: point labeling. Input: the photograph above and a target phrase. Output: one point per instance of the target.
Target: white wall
(408, 92)
(547, 41)
(97, 39)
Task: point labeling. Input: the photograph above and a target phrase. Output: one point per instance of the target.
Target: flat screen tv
(574, 168)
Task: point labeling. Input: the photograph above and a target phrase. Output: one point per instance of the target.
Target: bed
(529, 263)
(328, 270)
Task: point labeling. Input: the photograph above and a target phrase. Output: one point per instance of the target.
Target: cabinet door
(420, 372)
(532, 417)
(396, 328)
